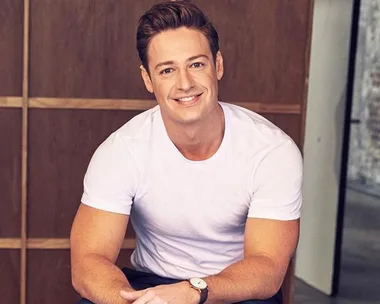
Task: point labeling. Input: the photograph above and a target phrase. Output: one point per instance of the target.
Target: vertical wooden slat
(24, 147)
(307, 63)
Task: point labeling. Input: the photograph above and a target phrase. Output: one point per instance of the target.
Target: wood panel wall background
(69, 77)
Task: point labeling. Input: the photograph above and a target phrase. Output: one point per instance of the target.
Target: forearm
(256, 277)
(99, 280)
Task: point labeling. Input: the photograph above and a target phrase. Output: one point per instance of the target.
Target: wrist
(194, 295)
(201, 287)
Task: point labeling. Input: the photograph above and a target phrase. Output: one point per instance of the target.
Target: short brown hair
(172, 15)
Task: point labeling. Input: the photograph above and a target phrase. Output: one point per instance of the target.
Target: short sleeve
(277, 184)
(110, 180)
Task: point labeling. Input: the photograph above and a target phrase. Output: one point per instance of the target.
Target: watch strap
(204, 295)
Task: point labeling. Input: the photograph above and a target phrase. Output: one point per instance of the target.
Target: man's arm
(271, 233)
(96, 239)
(268, 248)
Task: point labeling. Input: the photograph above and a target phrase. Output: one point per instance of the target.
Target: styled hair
(172, 15)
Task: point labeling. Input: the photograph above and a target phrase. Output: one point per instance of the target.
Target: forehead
(177, 45)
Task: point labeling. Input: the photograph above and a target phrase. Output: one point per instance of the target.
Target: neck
(199, 140)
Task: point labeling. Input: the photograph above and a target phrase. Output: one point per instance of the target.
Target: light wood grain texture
(10, 243)
(144, 104)
(134, 104)
(270, 108)
(15, 243)
(65, 244)
(10, 102)
(24, 152)
(100, 104)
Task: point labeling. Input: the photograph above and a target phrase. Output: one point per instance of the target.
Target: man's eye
(166, 71)
(197, 65)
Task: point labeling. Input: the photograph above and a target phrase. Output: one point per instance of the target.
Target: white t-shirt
(189, 216)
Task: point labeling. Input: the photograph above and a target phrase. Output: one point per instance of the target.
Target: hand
(177, 293)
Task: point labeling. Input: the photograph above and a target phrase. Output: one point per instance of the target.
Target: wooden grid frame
(131, 104)
(25, 103)
(49, 243)
(24, 151)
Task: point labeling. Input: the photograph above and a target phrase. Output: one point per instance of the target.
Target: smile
(188, 98)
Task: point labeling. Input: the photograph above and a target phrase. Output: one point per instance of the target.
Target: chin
(187, 120)
(188, 113)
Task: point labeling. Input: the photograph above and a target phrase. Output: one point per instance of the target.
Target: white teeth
(187, 99)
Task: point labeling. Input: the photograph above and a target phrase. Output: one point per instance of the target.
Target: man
(213, 190)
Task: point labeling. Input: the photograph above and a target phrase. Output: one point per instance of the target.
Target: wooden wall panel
(263, 43)
(95, 44)
(49, 277)
(85, 49)
(61, 143)
(124, 258)
(10, 172)
(11, 31)
(130, 233)
(52, 268)
(290, 124)
(10, 276)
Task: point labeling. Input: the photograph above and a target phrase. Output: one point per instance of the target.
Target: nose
(184, 81)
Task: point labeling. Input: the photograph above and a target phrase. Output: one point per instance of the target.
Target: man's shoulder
(138, 124)
(244, 115)
(133, 133)
(249, 124)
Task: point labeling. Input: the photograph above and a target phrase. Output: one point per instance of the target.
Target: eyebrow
(188, 60)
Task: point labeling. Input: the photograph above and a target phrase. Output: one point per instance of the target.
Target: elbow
(273, 290)
(269, 290)
(78, 284)
(75, 283)
(268, 293)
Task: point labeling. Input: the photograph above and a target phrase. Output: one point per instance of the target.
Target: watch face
(198, 283)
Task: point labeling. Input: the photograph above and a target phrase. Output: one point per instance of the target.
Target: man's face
(183, 75)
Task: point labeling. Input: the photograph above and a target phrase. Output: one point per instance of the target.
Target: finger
(132, 295)
(146, 297)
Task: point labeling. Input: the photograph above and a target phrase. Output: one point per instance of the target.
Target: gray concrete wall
(364, 153)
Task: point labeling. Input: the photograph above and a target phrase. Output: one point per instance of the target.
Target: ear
(219, 65)
(147, 81)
